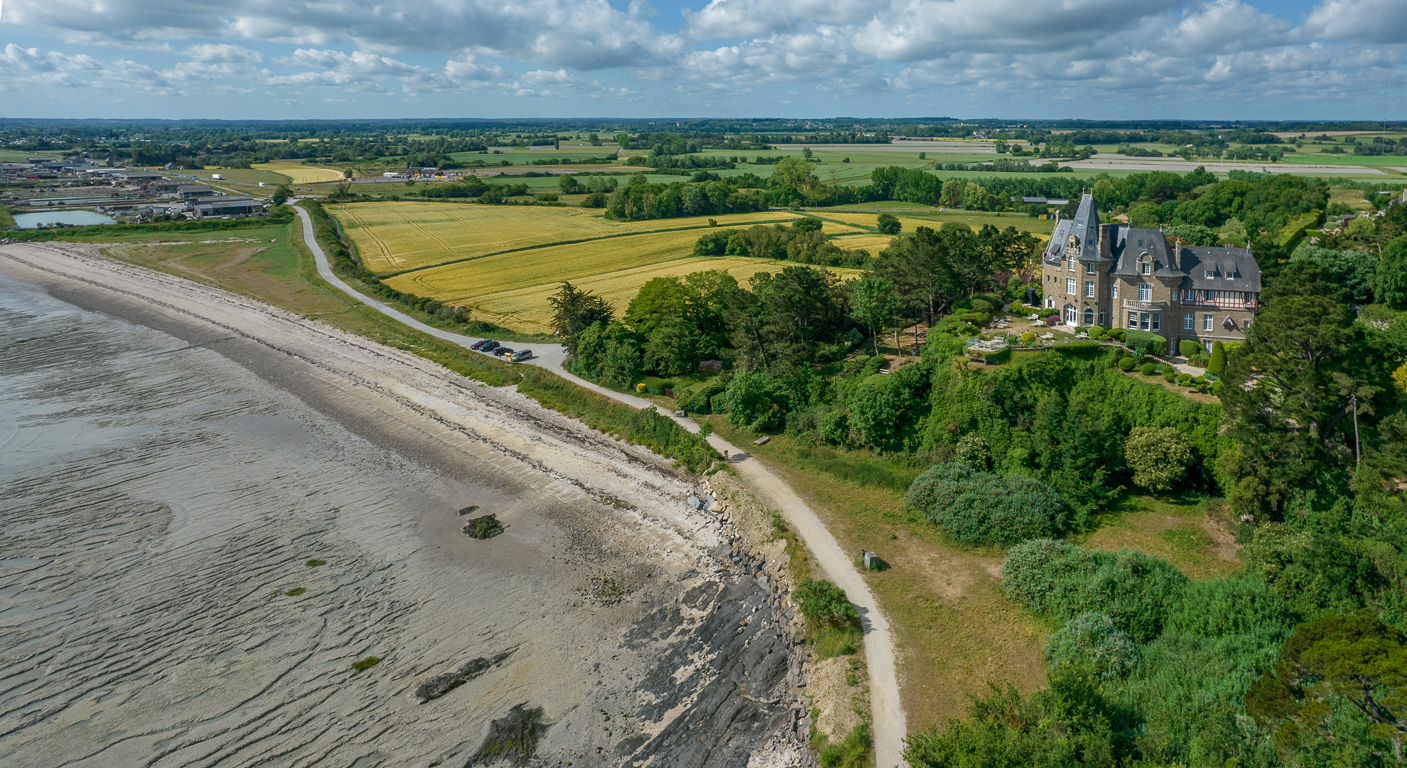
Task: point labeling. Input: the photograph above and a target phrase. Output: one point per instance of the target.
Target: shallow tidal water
(161, 503)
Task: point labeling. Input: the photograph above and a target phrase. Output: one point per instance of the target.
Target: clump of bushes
(977, 507)
(1146, 343)
(832, 622)
(1092, 641)
(1095, 332)
(1126, 364)
(1061, 580)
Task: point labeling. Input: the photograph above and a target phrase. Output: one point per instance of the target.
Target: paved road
(886, 714)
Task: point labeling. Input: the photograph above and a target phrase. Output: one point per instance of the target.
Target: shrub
(366, 663)
(1115, 333)
(1217, 364)
(1126, 364)
(1184, 379)
(749, 402)
(697, 399)
(975, 452)
(1158, 457)
(1061, 580)
(1146, 343)
(1091, 640)
(1169, 373)
(640, 388)
(1188, 347)
(1028, 337)
(1147, 369)
(1216, 388)
(825, 606)
(1095, 332)
(1198, 360)
(982, 508)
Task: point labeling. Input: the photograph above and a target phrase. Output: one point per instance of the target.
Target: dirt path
(888, 716)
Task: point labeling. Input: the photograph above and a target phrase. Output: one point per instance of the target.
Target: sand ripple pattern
(162, 490)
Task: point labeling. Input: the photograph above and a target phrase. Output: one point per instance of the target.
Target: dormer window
(1145, 268)
(1211, 275)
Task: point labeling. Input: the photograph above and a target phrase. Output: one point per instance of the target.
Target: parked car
(478, 345)
(503, 352)
(520, 355)
(489, 346)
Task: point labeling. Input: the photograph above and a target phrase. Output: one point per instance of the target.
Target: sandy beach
(211, 508)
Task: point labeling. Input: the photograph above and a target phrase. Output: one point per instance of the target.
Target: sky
(1095, 59)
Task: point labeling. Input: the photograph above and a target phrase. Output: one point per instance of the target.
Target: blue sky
(1098, 59)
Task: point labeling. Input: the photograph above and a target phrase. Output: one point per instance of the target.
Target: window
(1114, 290)
(1187, 321)
(1089, 317)
(1145, 292)
(1145, 268)
(1133, 320)
(1102, 318)
(1089, 268)
(1207, 296)
(1157, 322)
(1069, 314)
(1089, 289)
(1072, 263)
(1143, 320)
(1189, 295)
(1070, 285)
(1206, 323)
(1211, 275)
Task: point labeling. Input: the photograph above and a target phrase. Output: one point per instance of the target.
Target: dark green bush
(982, 508)
(1095, 332)
(1147, 369)
(1116, 333)
(825, 606)
(1169, 373)
(1126, 363)
(1091, 640)
(1146, 343)
(1063, 581)
(1188, 347)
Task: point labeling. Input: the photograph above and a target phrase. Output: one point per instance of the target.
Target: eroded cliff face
(211, 510)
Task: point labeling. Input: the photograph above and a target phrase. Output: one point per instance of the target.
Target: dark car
(489, 346)
(502, 352)
(520, 355)
(480, 344)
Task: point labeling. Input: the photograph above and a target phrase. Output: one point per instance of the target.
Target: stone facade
(1116, 276)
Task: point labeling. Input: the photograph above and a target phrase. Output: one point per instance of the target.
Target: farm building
(227, 206)
(193, 191)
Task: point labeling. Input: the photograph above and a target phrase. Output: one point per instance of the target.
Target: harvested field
(301, 174)
(511, 289)
(974, 219)
(396, 236)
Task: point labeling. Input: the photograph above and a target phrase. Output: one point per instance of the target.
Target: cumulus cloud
(974, 52)
(1374, 21)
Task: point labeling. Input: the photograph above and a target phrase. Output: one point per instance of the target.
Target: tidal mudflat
(214, 516)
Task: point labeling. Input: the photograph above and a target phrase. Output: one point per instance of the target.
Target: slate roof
(1233, 269)
(1127, 244)
(1084, 226)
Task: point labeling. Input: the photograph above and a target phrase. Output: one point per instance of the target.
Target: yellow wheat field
(301, 174)
(511, 289)
(396, 236)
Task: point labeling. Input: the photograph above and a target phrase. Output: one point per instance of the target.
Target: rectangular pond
(70, 218)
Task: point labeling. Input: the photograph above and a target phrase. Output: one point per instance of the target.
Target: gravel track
(888, 726)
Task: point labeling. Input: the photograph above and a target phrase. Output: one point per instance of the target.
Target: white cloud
(1374, 21)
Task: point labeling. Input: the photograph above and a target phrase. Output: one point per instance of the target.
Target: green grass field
(241, 175)
(932, 218)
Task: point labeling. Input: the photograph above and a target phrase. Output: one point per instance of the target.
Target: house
(1117, 276)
